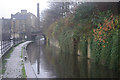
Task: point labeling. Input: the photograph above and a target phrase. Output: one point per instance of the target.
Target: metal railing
(5, 45)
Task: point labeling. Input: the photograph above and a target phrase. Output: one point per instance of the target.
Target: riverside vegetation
(89, 26)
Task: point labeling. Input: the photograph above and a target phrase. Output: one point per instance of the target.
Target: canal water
(50, 62)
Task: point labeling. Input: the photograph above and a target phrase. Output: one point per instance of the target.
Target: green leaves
(83, 13)
(99, 17)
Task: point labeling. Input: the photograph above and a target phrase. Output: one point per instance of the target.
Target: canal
(50, 62)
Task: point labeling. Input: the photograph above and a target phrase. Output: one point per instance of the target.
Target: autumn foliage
(104, 30)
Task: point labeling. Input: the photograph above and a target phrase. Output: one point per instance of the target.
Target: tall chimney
(38, 10)
(38, 24)
(38, 16)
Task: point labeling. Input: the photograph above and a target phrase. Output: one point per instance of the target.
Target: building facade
(5, 29)
(23, 24)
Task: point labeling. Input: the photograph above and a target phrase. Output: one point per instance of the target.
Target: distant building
(5, 29)
(0, 29)
(25, 24)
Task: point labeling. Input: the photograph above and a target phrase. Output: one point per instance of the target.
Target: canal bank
(14, 63)
(27, 65)
(50, 62)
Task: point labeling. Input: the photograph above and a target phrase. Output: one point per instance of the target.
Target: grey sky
(13, 6)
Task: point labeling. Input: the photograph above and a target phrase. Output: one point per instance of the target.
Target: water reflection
(51, 63)
(41, 67)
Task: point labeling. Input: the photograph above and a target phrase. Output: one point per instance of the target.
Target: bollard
(25, 57)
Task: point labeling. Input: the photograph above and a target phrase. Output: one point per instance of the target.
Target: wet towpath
(14, 63)
(50, 62)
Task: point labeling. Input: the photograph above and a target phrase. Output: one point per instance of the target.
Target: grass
(0, 71)
(23, 72)
(23, 68)
(22, 52)
(4, 59)
(9, 53)
(1, 66)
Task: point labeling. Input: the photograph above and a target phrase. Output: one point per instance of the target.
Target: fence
(5, 45)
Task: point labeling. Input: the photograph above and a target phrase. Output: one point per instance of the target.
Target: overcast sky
(13, 6)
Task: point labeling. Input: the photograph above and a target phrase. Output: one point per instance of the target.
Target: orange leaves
(106, 29)
(94, 30)
(100, 27)
(103, 46)
(103, 41)
(100, 34)
(105, 20)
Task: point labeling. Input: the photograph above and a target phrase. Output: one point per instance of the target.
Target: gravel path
(14, 64)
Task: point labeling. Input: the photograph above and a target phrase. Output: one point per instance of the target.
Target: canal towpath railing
(5, 45)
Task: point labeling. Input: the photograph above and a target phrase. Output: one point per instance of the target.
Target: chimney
(24, 11)
(38, 16)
